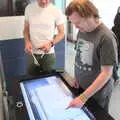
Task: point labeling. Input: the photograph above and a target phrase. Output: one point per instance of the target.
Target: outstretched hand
(77, 103)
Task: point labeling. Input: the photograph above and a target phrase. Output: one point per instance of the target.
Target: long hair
(84, 8)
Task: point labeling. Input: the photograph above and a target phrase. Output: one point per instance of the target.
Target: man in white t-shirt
(41, 19)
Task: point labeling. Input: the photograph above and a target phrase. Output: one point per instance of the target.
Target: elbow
(107, 71)
(108, 74)
(62, 34)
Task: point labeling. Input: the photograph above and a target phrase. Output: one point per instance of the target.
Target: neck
(95, 24)
(44, 5)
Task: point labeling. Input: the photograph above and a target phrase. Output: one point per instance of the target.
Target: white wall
(11, 27)
(107, 10)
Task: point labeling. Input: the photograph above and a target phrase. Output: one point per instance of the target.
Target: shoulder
(52, 6)
(30, 6)
(106, 33)
(57, 13)
(106, 36)
(55, 10)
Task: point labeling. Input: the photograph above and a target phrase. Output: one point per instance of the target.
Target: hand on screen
(77, 103)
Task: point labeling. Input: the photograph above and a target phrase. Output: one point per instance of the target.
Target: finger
(41, 47)
(73, 85)
(46, 51)
(67, 107)
(71, 104)
(26, 50)
(30, 50)
(76, 85)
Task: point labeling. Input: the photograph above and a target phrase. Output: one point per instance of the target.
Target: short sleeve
(108, 52)
(60, 18)
(27, 13)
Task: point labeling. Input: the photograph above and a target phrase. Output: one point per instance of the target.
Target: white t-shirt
(42, 22)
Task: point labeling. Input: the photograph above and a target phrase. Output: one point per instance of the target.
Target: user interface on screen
(47, 99)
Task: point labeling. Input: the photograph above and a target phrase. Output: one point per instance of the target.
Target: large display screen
(47, 99)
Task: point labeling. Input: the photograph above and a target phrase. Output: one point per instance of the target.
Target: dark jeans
(46, 64)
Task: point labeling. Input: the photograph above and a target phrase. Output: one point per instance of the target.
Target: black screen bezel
(84, 108)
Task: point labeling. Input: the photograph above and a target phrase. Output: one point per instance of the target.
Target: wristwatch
(52, 43)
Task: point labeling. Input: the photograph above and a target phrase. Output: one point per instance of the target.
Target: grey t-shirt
(94, 49)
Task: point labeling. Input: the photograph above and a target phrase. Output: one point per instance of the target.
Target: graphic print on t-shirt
(84, 54)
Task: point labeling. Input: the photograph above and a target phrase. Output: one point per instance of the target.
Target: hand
(75, 84)
(77, 102)
(46, 46)
(28, 47)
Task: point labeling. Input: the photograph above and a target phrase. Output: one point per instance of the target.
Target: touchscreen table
(47, 99)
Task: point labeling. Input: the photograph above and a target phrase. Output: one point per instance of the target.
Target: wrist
(52, 43)
(83, 98)
(27, 41)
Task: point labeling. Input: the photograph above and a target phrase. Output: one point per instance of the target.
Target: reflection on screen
(47, 99)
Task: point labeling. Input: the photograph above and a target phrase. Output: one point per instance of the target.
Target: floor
(114, 108)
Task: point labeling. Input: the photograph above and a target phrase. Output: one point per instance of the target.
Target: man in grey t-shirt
(96, 54)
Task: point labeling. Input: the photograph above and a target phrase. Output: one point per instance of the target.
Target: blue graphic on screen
(48, 98)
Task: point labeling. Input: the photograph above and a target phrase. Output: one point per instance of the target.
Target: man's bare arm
(28, 45)
(101, 80)
(26, 32)
(48, 44)
(60, 34)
